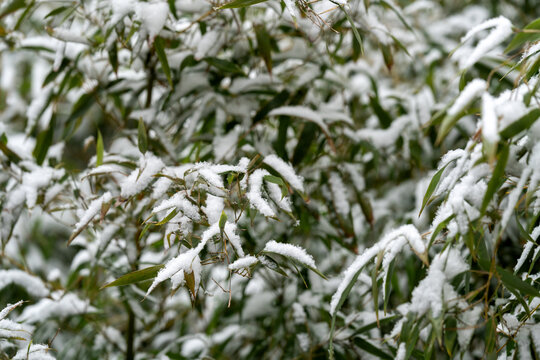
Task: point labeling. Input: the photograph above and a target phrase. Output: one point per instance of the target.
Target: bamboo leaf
(160, 51)
(432, 186)
(99, 149)
(142, 137)
(512, 281)
(522, 37)
(223, 65)
(135, 276)
(523, 123)
(497, 178)
(240, 4)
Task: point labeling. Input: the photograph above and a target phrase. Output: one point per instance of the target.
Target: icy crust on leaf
(292, 251)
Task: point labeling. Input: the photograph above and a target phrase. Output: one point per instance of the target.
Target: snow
(243, 262)
(31, 284)
(35, 352)
(503, 29)
(61, 306)
(4, 313)
(232, 236)
(213, 208)
(254, 195)
(339, 194)
(180, 202)
(93, 210)
(489, 119)
(153, 16)
(138, 180)
(473, 89)
(292, 251)
(286, 171)
(391, 243)
(301, 112)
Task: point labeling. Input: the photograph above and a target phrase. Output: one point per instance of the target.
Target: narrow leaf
(160, 51)
(512, 281)
(142, 139)
(497, 178)
(523, 123)
(240, 4)
(432, 186)
(99, 149)
(135, 276)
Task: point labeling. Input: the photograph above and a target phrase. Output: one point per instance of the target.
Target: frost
(291, 251)
(286, 171)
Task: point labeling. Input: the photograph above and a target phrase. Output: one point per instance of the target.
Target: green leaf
(523, 123)
(524, 36)
(160, 51)
(432, 186)
(512, 281)
(222, 221)
(274, 179)
(80, 108)
(135, 276)
(497, 178)
(272, 264)
(99, 149)
(274, 103)
(142, 138)
(305, 140)
(223, 65)
(315, 270)
(13, 6)
(57, 11)
(44, 141)
(264, 45)
(167, 218)
(370, 348)
(353, 27)
(450, 335)
(439, 228)
(240, 4)
(11, 155)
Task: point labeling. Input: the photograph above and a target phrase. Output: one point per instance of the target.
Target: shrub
(269, 179)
